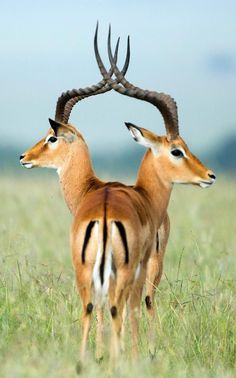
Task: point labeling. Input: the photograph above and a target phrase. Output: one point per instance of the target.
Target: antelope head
(54, 150)
(171, 156)
(173, 159)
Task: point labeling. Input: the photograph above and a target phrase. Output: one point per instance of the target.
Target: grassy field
(40, 310)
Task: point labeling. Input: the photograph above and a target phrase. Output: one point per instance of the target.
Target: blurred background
(183, 48)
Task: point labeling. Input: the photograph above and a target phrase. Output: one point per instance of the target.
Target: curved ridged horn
(163, 102)
(68, 99)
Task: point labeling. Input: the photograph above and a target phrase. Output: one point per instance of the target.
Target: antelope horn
(164, 103)
(122, 80)
(68, 99)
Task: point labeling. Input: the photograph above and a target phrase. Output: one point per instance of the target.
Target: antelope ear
(143, 136)
(54, 125)
(62, 130)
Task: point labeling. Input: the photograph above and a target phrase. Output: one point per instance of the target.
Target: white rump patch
(101, 290)
(107, 271)
(113, 229)
(96, 276)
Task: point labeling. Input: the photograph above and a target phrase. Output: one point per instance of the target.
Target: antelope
(167, 161)
(115, 226)
(64, 149)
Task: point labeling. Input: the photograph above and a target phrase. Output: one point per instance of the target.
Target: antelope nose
(212, 176)
(22, 157)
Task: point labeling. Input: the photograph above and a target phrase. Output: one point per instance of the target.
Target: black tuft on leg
(113, 311)
(89, 308)
(148, 302)
(99, 360)
(79, 368)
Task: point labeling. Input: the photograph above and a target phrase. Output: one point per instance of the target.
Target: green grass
(40, 311)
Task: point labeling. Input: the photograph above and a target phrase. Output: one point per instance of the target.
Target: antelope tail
(103, 264)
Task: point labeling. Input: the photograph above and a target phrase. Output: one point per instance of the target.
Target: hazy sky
(184, 48)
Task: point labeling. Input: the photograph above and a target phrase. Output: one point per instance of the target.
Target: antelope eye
(177, 153)
(52, 139)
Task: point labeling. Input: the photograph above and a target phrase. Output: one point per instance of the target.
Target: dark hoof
(152, 354)
(99, 360)
(79, 367)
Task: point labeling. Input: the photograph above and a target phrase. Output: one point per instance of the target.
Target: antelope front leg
(149, 300)
(134, 302)
(154, 274)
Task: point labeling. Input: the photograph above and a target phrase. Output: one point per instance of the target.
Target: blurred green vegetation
(40, 310)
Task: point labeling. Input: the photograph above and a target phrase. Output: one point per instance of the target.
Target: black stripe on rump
(122, 232)
(86, 239)
(102, 266)
(157, 243)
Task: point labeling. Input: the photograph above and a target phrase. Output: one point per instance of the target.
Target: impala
(115, 226)
(167, 161)
(64, 149)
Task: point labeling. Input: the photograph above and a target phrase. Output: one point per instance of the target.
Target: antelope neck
(152, 179)
(77, 178)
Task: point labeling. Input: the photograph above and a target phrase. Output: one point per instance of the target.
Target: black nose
(22, 157)
(212, 176)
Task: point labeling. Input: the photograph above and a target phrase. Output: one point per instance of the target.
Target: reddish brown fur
(142, 210)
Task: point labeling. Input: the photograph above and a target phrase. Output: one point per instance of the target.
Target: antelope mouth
(26, 165)
(205, 184)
